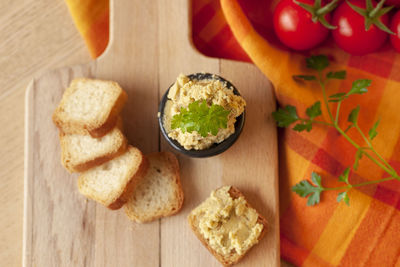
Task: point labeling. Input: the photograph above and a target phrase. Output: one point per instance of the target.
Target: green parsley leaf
(314, 110)
(341, 75)
(285, 116)
(337, 97)
(343, 197)
(359, 87)
(316, 179)
(372, 132)
(353, 116)
(305, 188)
(305, 77)
(201, 118)
(344, 177)
(318, 62)
(303, 126)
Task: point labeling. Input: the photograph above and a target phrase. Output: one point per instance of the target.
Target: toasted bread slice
(113, 182)
(82, 152)
(89, 106)
(159, 193)
(233, 256)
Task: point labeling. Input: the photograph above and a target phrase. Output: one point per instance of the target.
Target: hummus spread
(186, 91)
(227, 223)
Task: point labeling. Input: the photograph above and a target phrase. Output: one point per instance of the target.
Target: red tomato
(294, 27)
(395, 27)
(392, 3)
(350, 34)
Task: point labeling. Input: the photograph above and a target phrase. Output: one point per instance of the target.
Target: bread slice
(233, 257)
(113, 182)
(89, 106)
(159, 193)
(82, 152)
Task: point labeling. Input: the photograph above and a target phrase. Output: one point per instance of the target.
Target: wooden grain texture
(35, 36)
(148, 49)
(247, 165)
(59, 226)
(131, 59)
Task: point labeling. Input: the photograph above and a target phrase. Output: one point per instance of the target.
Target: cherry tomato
(395, 27)
(392, 3)
(350, 34)
(294, 27)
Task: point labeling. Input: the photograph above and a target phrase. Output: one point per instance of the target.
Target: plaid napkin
(92, 20)
(366, 233)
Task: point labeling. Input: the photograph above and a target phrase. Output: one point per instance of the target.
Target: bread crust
(171, 158)
(112, 119)
(71, 167)
(233, 258)
(173, 165)
(123, 195)
(92, 163)
(95, 130)
(131, 185)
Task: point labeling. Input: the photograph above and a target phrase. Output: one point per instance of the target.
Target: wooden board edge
(27, 166)
(28, 152)
(108, 51)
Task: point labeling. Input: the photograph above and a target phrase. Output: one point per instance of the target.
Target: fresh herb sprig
(201, 118)
(287, 116)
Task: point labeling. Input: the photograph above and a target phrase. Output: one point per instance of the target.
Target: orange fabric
(91, 17)
(331, 234)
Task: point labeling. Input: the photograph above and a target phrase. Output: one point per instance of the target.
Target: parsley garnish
(201, 118)
(287, 115)
(313, 191)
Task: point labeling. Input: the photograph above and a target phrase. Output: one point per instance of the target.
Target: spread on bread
(227, 224)
(186, 91)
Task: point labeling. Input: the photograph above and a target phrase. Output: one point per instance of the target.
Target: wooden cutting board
(149, 46)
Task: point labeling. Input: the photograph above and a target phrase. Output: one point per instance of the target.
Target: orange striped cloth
(367, 233)
(92, 20)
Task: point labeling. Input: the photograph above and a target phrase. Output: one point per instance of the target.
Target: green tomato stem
(327, 8)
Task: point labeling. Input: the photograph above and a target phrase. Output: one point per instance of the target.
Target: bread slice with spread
(227, 225)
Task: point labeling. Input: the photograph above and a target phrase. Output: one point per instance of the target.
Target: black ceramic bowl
(215, 149)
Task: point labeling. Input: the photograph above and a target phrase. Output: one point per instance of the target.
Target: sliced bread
(80, 152)
(113, 182)
(218, 212)
(89, 106)
(159, 193)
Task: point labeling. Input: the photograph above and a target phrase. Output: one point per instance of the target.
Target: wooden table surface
(35, 36)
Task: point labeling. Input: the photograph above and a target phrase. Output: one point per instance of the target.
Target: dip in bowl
(201, 115)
